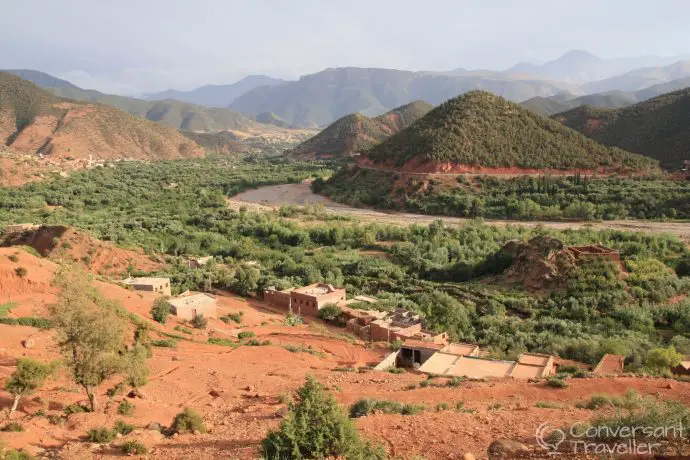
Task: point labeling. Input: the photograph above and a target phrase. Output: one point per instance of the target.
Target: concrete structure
(413, 353)
(190, 306)
(594, 251)
(403, 325)
(19, 228)
(307, 300)
(683, 368)
(610, 364)
(158, 285)
(198, 262)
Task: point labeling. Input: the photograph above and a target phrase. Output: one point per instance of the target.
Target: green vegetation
(222, 342)
(188, 421)
(331, 312)
(26, 379)
(125, 408)
(165, 343)
(199, 322)
(122, 427)
(100, 435)
(133, 447)
(525, 197)
(556, 382)
(160, 310)
(316, 427)
(301, 348)
(246, 335)
(13, 427)
(356, 133)
(184, 330)
(656, 128)
(39, 323)
(365, 407)
(91, 334)
(479, 128)
(599, 400)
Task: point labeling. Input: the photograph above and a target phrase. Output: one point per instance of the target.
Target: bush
(598, 400)
(331, 312)
(257, 343)
(396, 370)
(13, 258)
(184, 330)
(236, 317)
(76, 409)
(118, 389)
(13, 427)
(164, 343)
(133, 447)
(246, 335)
(122, 427)
(316, 427)
(554, 382)
(546, 405)
(21, 272)
(188, 421)
(293, 320)
(125, 408)
(366, 406)
(160, 310)
(222, 342)
(199, 322)
(100, 435)
(442, 406)
(14, 454)
(396, 344)
(455, 381)
(40, 323)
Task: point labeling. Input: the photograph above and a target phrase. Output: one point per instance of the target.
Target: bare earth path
(274, 196)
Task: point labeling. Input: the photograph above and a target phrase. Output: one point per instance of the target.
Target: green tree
(330, 312)
(160, 310)
(317, 428)
(661, 360)
(27, 378)
(90, 333)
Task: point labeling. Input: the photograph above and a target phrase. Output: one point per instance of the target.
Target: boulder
(468, 456)
(155, 426)
(506, 449)
(29, 343)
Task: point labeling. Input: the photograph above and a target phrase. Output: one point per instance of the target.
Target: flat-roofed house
(158, 285)
(533, 365)
(307, 300)
(190, 306)
(683, 368)
(450, 365)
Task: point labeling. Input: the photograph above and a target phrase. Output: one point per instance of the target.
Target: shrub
(76, 409)
(302, 349)
(661, 360)
(184, 330)
(56, 419)
(455, 381)
(21, 272)
(13, 258)
(14, 454)
(236, 317)
(13, 427)
(554, 382)
(40, 323)
(442, 406)
(188, 421)
(100, 435)
(546, 405)
(598, 400)
(199, 322)
(331, 312)
(125, 408)
(246, 335)
(118, 389)
(164, 343)
(293, 320)
(160, 310)
(396, 370)
(366, 406)
(122, 427)
(257, 343)
(223, 342)
(316, 427)
(133, 447)
(396, 344)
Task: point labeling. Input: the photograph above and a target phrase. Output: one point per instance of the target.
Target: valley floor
(299, 194)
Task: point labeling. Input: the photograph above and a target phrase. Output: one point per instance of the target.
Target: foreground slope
(481, 129)
(32, 120)
(658, 128)
(355, 133)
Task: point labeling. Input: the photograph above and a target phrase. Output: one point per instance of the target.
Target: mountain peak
(579, 55)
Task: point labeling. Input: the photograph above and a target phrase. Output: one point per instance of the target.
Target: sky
(132, 47)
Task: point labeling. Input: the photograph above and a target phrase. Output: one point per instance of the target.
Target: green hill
(356, 133)
(658, 128)
(482, 129)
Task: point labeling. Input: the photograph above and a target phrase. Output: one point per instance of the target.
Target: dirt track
(274, 196)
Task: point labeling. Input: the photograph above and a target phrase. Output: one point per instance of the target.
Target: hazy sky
(134, 46)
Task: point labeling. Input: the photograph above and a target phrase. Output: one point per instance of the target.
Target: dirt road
(274, 196)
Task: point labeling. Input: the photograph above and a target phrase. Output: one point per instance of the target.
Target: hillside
(32, 120)
(484, 130)
(641, 78)
(321, 98)
(356, 133)
(657, 128)
(217, 95)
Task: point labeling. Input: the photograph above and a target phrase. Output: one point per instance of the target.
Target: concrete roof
(363, 298)
(315, 289)
(146, 281)
(462, 349)
(610, 364)
(412, 343)
(191, 300)
(521, 371)
(534, 359)
(465, 366)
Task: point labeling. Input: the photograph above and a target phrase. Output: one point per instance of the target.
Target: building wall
(160, 288)
(188, 312)
(277, 298)
(309, 305)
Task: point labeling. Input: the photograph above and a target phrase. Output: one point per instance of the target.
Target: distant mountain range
(579, 67)
(217, 95)
(612, 99)
(33, 120)
(319, 99)
(658, 128)
(356, 133)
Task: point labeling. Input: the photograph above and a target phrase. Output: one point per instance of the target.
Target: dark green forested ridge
(356, 133)
(658, 128)
(482, 129)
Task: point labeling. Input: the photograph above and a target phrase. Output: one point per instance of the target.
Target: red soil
(237, 389)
